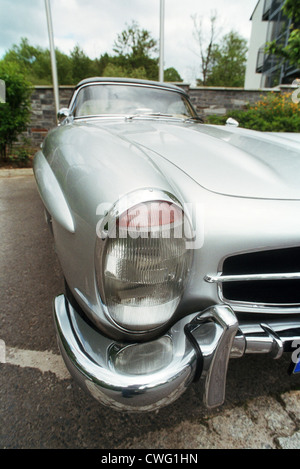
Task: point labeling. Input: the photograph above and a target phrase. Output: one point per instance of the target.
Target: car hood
(222, 159)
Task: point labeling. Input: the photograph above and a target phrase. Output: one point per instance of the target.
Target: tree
(205, 47)
(134, 56)
(222, 63)
(24, 53)
(228, 62)
(35, 63)
(24, 56)
(41, 73)
(15, 112)
(112, 70)
(81, 65)
(171, 74)
(135, 42)
(134, 49)
(291, 51)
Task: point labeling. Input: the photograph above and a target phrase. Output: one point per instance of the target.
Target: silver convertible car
(179, 243)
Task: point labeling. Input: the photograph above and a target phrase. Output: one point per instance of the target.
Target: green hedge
(15, 112)
(273, 113)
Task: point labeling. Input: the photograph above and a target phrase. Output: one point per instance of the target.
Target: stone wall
(43, 111)
(213, 100)
(207, 101)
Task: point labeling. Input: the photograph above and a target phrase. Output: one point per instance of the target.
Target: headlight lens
(145, 265)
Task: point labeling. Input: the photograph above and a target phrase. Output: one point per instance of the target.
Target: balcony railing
(266, 61)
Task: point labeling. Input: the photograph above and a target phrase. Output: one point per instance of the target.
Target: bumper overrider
(144, 377)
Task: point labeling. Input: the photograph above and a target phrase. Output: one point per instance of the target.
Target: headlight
(143, 265)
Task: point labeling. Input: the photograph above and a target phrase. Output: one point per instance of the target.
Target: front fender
(51, 193)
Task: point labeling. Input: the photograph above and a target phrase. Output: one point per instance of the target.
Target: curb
(16, 172)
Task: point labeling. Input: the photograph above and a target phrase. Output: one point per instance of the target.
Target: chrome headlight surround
(142, 268)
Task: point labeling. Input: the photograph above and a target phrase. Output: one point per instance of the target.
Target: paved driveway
(41, 407)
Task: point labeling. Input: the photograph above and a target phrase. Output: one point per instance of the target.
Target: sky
(95, 25)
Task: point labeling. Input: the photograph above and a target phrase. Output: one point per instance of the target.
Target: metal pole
(52, 55)
(161, 40)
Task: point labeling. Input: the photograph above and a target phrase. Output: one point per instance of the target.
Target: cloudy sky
(95, 24)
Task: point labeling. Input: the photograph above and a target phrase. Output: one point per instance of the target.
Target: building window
(274, 70)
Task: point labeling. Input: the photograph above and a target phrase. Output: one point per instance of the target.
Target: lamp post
(161, 40)
(52, 55)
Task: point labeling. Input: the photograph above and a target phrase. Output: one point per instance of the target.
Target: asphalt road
(41, 407)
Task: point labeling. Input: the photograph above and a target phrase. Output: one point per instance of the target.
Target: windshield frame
(158, 86)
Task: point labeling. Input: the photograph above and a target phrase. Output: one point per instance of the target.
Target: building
(268, 24)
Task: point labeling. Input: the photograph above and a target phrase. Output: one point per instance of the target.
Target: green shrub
(273, 113)
(15, 112)
(21, 156)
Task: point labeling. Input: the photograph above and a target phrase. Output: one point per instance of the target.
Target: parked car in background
(179, 242)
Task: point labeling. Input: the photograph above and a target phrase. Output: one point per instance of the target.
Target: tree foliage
(135, 56)
(135, 51)
(171, 74)
(291, 9)
(81, 65)
(222, 63)
(135, 42)
(228, 63)
(15, 112)
(35, 63)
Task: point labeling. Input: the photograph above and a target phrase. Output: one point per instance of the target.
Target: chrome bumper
(202, 345)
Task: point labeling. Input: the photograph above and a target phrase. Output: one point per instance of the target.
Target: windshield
(124, 99)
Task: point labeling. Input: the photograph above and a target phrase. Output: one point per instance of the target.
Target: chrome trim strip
(250, 277)
(260, 308)
(255, 307)
(239, 306)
